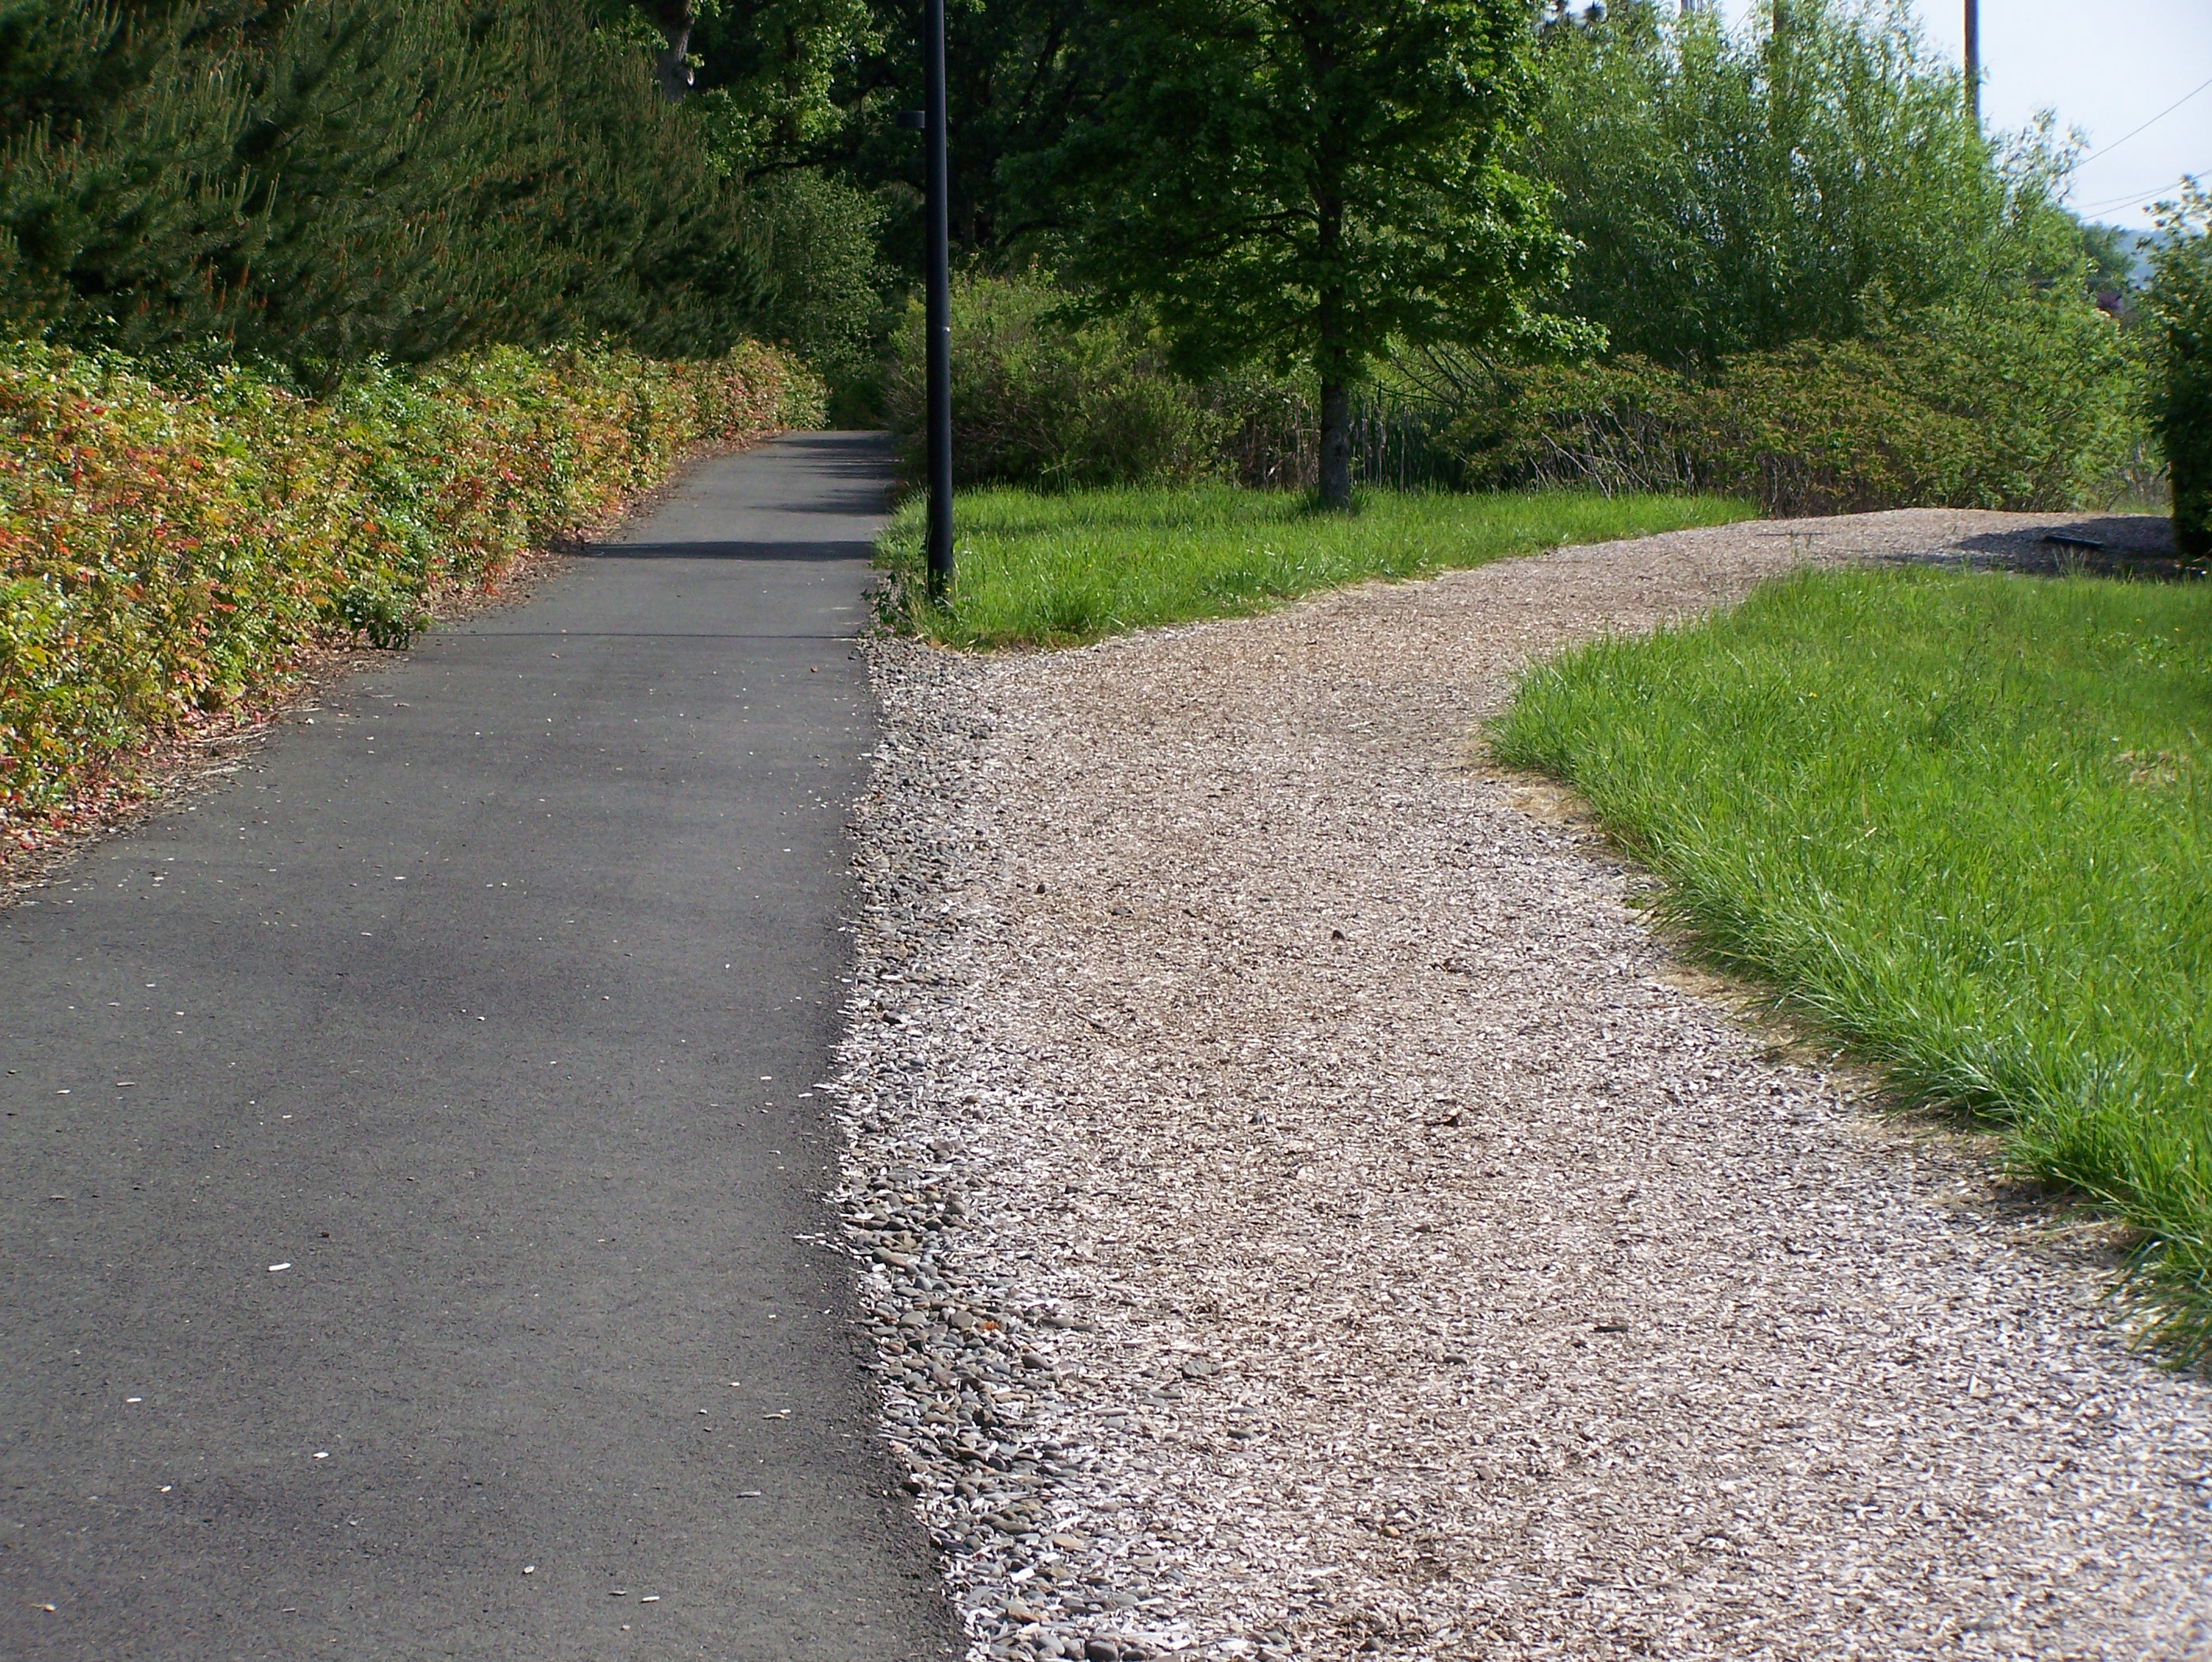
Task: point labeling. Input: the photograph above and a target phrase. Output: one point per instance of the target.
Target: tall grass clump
(1053, 569)
(1964, 824)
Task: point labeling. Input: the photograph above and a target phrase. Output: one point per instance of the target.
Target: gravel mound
(1304, 1213)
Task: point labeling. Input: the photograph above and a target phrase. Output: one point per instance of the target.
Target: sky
(2105, 66)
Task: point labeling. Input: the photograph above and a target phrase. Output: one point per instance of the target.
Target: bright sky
(2105, 66)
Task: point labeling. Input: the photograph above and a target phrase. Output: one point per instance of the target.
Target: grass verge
(1964, 824)
(1050, 570)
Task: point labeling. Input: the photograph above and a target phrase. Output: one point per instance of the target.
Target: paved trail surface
(393, 1310)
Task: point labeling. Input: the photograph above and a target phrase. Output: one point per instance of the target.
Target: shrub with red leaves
(165, 554)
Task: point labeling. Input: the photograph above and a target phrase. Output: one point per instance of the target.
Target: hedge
(164, 553)
(2027, 405)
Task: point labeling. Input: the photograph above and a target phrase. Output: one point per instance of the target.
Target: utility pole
(940, 312)
(1974, 65)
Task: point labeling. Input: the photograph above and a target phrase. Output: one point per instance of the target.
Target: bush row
(1042, 400)
(2027, 402)
(164, 552)
(2026, 405)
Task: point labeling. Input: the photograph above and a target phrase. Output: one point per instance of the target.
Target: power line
(2153, 122)
(2113, 201)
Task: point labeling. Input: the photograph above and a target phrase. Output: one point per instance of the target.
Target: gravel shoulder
(1306, 1213)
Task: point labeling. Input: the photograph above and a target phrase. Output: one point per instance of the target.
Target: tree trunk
(1336, 364)
(670, 70)
(1335, 445)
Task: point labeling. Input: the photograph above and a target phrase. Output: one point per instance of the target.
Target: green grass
(1034, 569)
(1964, 824)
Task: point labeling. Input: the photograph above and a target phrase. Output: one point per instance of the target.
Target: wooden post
(1974, 65)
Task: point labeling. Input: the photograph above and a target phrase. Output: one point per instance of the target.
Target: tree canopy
(319, 181)
(1733, 191)
(1308, 179)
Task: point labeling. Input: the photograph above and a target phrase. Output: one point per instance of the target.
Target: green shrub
(163, 553)
(2025, 403)
(2180, 305)
(813, 239)
(1037, 401)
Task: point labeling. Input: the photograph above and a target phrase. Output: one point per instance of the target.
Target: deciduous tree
(2181, 311)
(1309, 179)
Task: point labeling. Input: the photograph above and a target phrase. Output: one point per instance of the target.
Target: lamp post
(1974, 65)
(939, 279)
(938, 289)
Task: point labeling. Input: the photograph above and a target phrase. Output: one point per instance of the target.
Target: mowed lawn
(1963, 822)
(1036, 569)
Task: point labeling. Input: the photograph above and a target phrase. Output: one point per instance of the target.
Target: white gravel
(1308, 1214)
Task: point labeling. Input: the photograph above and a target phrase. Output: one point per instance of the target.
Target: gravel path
(1307, 1214)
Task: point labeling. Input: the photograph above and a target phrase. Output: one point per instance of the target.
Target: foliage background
(319, 183)
(2180, 307)
(1820, 290)
(2019, 404)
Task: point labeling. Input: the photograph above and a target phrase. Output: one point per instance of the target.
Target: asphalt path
(414, 1240)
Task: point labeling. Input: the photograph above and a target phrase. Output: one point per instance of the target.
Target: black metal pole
(940, 313)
